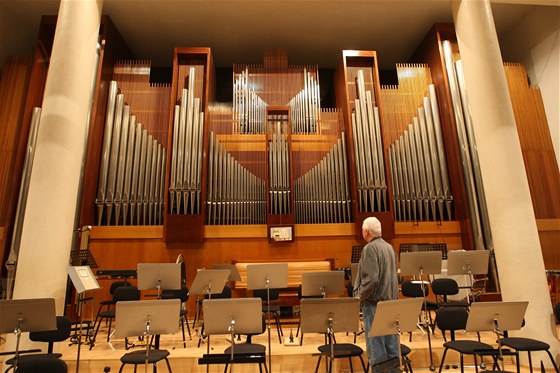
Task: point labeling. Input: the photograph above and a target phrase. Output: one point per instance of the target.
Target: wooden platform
(285, 359)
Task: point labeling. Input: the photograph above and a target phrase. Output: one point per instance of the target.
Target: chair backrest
(557, 312)
(116, 285)
(126, 293)
(451, 318)
(414, 290)
(182, 294)
(274, 294)
(62, 333)
(445, 286)
(42, 365)
(300, 294)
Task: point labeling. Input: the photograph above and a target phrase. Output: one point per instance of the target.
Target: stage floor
(285, 359)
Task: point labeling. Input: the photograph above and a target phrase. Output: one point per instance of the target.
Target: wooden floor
(285, 358)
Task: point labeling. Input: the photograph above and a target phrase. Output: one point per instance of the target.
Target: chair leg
(553, 362)
(530, 361)
(122, 366)
(363, 364)
(109, 330)
(351, 366)
(183, 331)
(318, 363)
(442, 360)
(168, 365)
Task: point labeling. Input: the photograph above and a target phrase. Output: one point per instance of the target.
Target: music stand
(234, 272)
(496, 317)
(420, 263)
(472, 262)
(159, 276)
(207, 282)
(267, 276)
(146, 318)
(232, 316)
(330, 315)
(83, 280)
(396, 317)
(26, 315)
(322, 283)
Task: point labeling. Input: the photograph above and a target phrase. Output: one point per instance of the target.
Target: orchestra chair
(62, 333)
(249, 348)
(413, 289)
(42, 366)
(452, 319)
(341, 351)
(443, 287)
(108, 303)
(523, 344)
(121, 294)
(139, 358)
(183, 296)
(406, 362)
(274, 307)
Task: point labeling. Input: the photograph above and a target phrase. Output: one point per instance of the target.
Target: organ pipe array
(322, 194)
(235, 194)
(305, 107)
(185, 187)
(132, 170)
(279, 167)
(468, 151)
(368, 148)
(418, 168)
(249, 109)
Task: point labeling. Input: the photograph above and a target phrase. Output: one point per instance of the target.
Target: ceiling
(238, 31)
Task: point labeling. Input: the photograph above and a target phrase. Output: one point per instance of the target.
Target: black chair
(108, 303)
(520, 344)
(42, 366)
(274, 307)
(444, 287)
(139, 358)
(406, 363)
(183, 295)
(452, 319)
(412, 289)
(340, 351)
(122, 294)
(250, 348)
(62, 333)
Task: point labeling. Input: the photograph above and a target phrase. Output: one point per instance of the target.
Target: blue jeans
(380, 348)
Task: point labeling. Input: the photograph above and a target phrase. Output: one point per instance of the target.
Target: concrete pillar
(512, 220)
(53, 191)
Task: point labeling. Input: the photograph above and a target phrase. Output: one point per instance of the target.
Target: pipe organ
(418, 168)
(132, 171)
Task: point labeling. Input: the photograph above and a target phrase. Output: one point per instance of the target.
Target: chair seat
(139, 357)
(405, 350)
(22, 358)
(246, 348)
(341, 350)
(525, 344)
(467, 347)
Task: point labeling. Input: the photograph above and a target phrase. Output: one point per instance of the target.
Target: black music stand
(232, 316)
(207, 282)
(421, 263)
(496, 317)
(472, 262)
(234, 272)
(267, 276)
(26, 315)
(147, 318)
(83, 280)
(396, 317)
(322, 283)
(83, 257)
(159, 276)
(330, 315)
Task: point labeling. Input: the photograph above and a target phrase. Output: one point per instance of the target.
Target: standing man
(376, 281)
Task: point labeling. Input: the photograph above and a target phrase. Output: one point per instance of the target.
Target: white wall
(535, 42)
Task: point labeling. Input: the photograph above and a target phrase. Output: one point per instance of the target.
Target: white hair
(372, 225)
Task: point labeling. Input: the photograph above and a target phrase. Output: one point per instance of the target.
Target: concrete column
(53, 191)
(512, 220)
